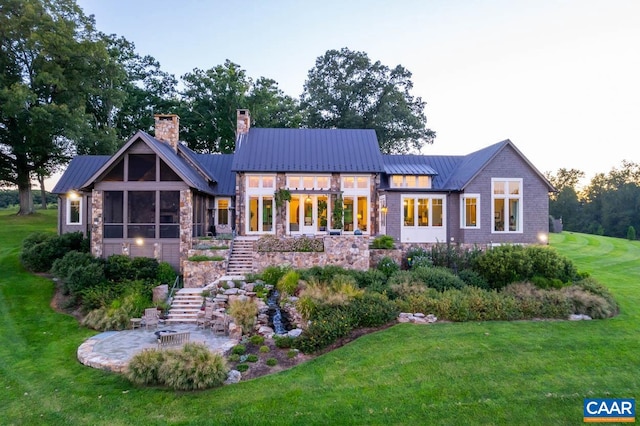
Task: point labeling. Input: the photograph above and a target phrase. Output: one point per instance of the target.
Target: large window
(410, 181)
(142, 214)
(507, 205)
(423, 212)
(260, 212)
(223, 211)
(74, 209)
(470, 211)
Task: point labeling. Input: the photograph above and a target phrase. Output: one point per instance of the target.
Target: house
(155, 195)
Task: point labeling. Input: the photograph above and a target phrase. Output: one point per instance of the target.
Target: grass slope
(471, 373)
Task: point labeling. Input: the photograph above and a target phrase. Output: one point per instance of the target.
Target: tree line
(67, 88)
(609, 205)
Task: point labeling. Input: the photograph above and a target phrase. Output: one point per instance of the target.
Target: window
(74, 209)
(423, 212)
(410, 181)
(507, 205)
(348, 182)
(113, 214)
(223, 212)
(169, 214)
(470, 214)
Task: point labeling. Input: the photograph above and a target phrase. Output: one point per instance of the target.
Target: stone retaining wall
(199, 274)
(348, 251)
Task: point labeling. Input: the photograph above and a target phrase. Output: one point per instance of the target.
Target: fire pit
(163, 333)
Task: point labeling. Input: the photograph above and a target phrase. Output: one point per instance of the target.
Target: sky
(560, 78)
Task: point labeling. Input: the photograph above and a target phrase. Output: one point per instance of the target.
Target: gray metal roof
(308, 150)
(407, 165)
(220, 166)
(471, 164)
(78, 171)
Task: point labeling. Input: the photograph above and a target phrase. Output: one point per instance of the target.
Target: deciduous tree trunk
(43, 192)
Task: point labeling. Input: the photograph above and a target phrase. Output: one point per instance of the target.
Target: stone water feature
(278, 319)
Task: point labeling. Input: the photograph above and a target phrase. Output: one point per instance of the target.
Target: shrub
(322, 274)
(61, 267)
(547, 263)
(118, 267)
(372, 310)
(242, 367)
(113, 317)
(244, 313)
(143, 369)
(98, 296)
(272, 274)
(83, 277)
(371, 279)
(453, 256)
(146, 268)
(271, 362)
(288, 283)
(417, 254)
(303, 243)
(503, 265)
(631, 233)
(472, 278)
(292, 353)
(252, 358)
(239, 349)
(387, 266)
(234, 357)
(165, 273)
(41, 249)
(586, 303)
(329, 324)
(193, 367)
(382, 242)
(264, 349)
(438, 277)
(203, 258)
(256, 339)
(283, 342)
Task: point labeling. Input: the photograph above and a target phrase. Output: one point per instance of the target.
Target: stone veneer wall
(186, 222)
(350, 252)
(96, 224)
(201, 274)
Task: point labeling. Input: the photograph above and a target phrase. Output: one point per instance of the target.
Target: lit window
(307, 182)
(348, 182)
(267, 182)
(423, 181)
(74, 207)
(254, 181)
(363, 182)
(323, 182)
(396, 181)
(470, 216)
(507, 207)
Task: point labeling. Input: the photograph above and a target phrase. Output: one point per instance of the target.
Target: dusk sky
(561, 79)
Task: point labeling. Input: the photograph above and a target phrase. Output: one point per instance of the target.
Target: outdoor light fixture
(73, 195)
(543, 238)
(139, 241)
(308, 200)
(384, 209)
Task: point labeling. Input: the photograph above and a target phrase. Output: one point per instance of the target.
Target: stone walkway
(112, 350)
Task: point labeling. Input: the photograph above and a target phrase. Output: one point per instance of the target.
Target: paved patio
(112, 350)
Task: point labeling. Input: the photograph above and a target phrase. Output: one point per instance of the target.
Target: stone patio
(112, 350)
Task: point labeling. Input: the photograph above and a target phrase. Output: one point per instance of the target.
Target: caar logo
(610, 410)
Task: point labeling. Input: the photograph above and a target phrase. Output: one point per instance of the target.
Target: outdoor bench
(173, 339)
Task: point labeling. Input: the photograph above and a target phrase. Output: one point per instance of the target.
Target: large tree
(54, 69)
(210, 101)
(346, 90)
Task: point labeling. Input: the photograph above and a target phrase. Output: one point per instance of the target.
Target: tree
(210, 101)
(346, 90)
(148, 90)
(565, 178)
(270, 107)
(54, 71)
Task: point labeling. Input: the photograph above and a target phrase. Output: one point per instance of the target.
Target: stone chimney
(167, 129)
(243, 122)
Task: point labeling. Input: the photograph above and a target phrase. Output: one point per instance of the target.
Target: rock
(249, 287)
(418, 315)
(233, 377)
(265, 330)
(295, 332)
(431, 318)
(579, 317)
(404, 319)
(231, 291)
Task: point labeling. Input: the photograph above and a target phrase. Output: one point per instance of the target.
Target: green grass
(451, 374)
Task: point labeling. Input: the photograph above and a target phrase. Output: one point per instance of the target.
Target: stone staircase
(185, 306)
(241, 257)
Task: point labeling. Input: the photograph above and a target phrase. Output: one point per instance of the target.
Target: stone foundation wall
(96, 224)
(350, 252)
(200, 274)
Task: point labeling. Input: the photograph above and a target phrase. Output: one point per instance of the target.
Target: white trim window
(260, 207)
(506, 205)
(356, 203)
(74, 210)
(470, 211)
(410, 181)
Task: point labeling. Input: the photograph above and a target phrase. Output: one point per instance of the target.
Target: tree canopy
(54, 86)
(346, 89)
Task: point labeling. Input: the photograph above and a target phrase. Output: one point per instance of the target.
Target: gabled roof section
(308, 150)
(472, 164)
(78, 171)
(220, 164)
(177, 163)
(407, 165)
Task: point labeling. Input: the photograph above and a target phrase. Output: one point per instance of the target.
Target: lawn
(452, 374)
